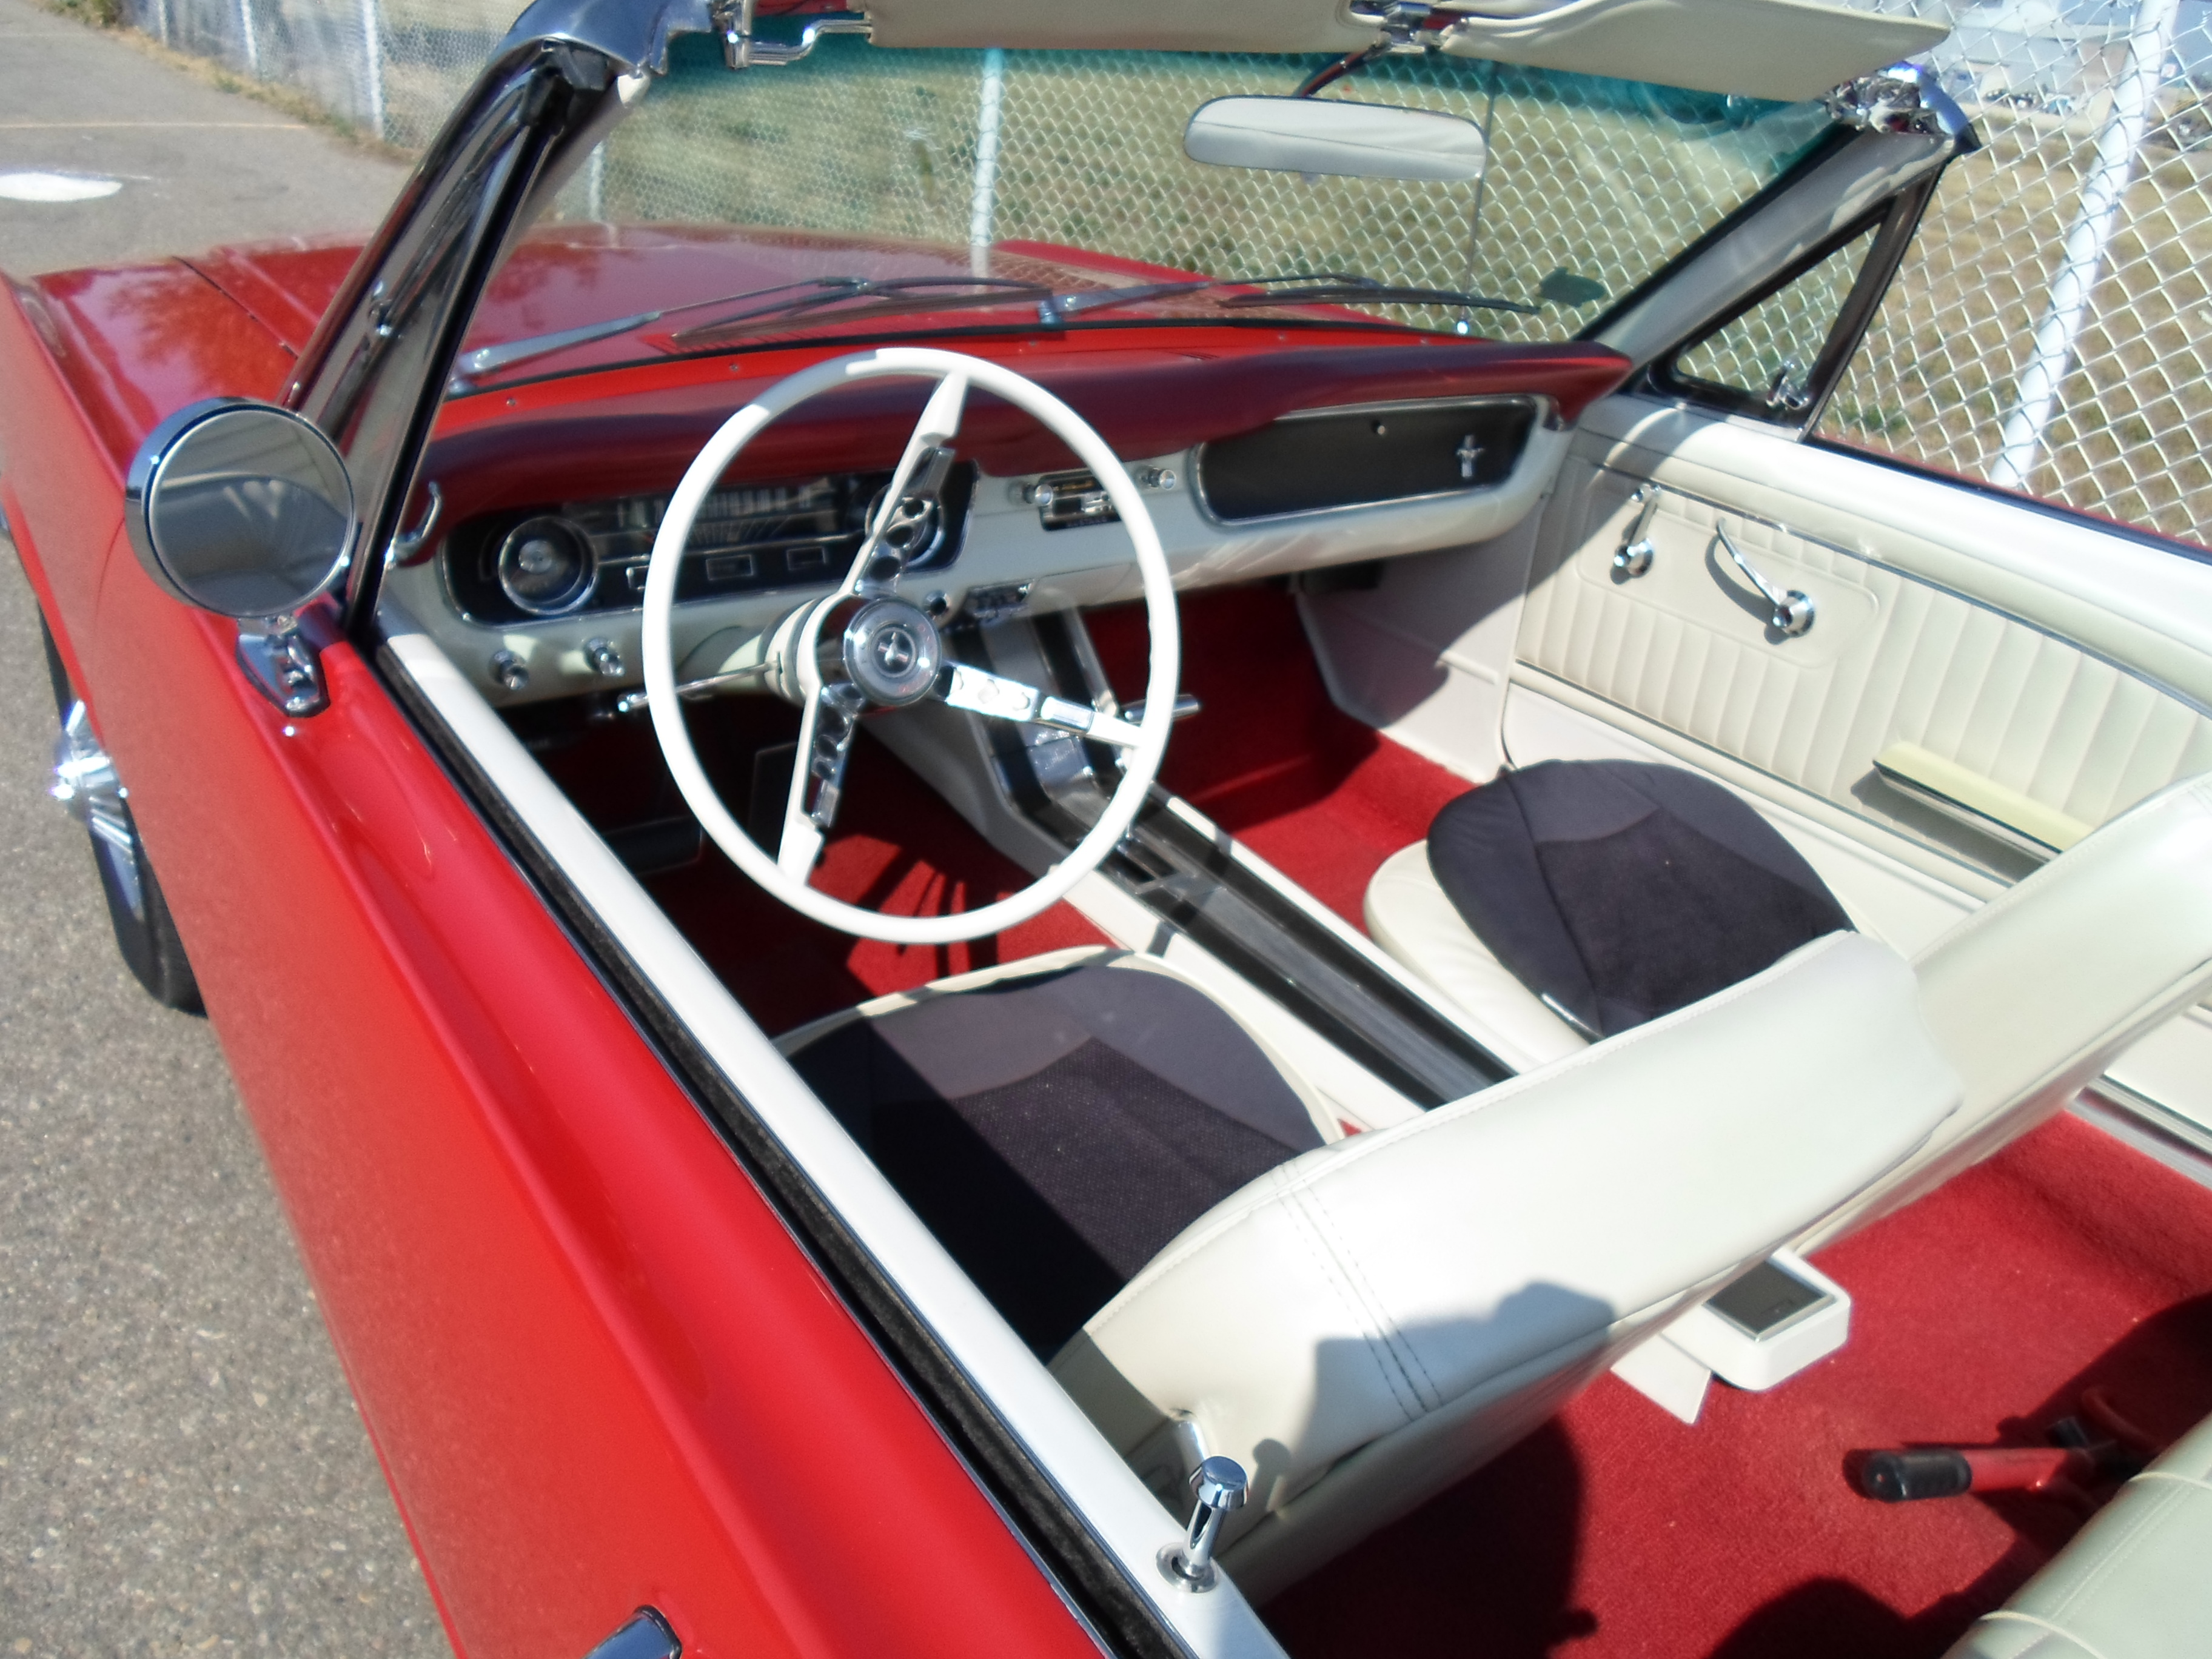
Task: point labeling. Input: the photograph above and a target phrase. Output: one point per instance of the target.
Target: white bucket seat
(2030, 997)
(1366, 1323)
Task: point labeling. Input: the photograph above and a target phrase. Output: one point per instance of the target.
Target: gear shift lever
(1221, 1485)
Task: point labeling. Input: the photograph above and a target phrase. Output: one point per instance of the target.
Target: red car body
(600, 1370)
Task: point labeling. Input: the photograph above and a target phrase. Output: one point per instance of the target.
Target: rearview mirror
(239, 507)
(1327, 135)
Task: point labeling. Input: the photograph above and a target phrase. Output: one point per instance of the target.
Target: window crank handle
(1793, 610)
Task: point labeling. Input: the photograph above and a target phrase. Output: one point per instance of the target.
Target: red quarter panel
(598, 1369)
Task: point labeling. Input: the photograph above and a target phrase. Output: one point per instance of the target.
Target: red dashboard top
(137, 344)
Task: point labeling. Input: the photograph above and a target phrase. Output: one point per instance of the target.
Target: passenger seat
(2135, 1583)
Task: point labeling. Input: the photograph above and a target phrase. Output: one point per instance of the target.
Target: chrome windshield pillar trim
(743, 47)
(1903, 98)
(633, 33)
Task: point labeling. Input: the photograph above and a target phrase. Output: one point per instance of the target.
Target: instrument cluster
(578, 558)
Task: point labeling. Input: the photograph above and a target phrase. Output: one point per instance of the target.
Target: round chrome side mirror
(241, 507)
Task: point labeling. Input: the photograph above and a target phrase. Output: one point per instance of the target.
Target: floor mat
(1979, 1315)
(1322, 797)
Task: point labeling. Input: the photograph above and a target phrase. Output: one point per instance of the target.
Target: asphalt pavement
(182, 1468)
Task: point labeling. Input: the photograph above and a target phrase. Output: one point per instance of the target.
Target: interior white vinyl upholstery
(1890, 658)
(1408, 915)
(1363, 1325)
(2135, 1583)
(2033, 995)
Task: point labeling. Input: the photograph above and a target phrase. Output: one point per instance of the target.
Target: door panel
(2070, 664)
(1891, 658)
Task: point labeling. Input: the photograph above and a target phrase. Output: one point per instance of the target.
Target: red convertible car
(1012, 819)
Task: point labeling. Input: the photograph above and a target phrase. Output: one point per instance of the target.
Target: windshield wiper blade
(1061, 306)
(890, 296)
(816, 291)
(1293, 290)
(491, 359)
(1365, 290)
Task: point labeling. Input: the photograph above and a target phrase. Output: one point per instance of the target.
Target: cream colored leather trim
(2131, 1585)
(1383, 1313)
(1912, 662)
(2038, 991)
(1977, 798)
(1412, 918)
(2131, 602)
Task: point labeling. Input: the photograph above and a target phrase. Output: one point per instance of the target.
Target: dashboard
(534, 582)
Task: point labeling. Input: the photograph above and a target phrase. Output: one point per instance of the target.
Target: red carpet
(1322, 797)
(1979, 1315)
(897, 848)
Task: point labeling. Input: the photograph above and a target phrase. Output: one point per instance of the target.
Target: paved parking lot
(181, 1469)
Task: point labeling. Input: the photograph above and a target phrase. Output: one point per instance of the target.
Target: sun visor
(1781, 49)
(1785, 50)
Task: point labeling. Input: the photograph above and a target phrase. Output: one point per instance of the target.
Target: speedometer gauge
(546, 566)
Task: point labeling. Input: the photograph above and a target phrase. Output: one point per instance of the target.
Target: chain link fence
(2050, 330)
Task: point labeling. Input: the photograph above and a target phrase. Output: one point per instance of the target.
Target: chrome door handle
(1636, 551)
(1793, 610)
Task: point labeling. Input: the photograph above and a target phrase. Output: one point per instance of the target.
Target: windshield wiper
(1317, 285)
(800, 298)
(889, 296)
(1365, 290)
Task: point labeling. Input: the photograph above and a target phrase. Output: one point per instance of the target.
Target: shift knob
(1221, 1485)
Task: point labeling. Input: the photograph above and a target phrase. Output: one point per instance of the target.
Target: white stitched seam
(1331, 1264)
(2062, 1634)
(1426, 1395)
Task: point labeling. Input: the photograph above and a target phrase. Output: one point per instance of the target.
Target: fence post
(372, 48)
(984, 205)
(252, 45)
(2134, 95)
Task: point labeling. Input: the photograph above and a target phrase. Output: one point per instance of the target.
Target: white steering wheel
(892, 654)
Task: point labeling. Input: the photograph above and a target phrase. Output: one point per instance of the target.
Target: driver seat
(1149, 1194)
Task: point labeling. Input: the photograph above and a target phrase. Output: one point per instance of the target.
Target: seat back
(1366, 1324)
(2034, 995)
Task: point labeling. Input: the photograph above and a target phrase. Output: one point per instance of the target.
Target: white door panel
(1891, 658)
(2069, 664)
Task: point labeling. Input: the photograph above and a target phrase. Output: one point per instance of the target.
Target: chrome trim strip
(1981, 823)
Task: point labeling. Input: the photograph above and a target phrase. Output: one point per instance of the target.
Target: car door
(1929, 685)
(599, 1369)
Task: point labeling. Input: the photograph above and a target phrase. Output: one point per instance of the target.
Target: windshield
(982, 190)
